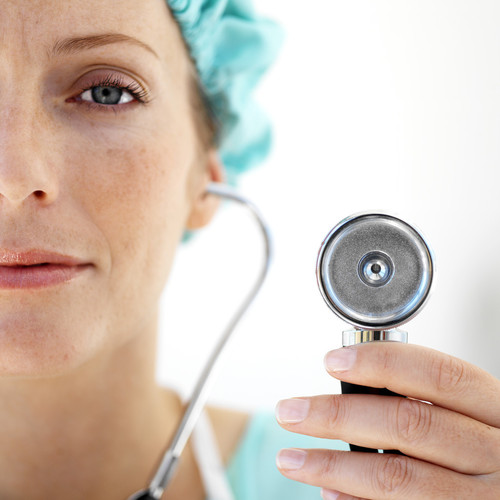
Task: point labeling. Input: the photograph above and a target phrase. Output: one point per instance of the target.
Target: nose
(26, 172)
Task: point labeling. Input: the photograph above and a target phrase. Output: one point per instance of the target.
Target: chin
(35, 347)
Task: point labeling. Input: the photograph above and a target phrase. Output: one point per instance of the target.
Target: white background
(389, 105)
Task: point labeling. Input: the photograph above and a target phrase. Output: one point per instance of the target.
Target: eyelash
(141, 95)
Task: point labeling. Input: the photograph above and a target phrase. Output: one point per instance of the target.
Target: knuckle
(388, 360)
(413, 421)
(393, 475)
(328, 463)
(337, 410)
(450, 375)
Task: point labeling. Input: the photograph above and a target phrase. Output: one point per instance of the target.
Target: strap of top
(207, 455)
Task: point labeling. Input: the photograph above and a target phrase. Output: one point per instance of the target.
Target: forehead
(35, 26)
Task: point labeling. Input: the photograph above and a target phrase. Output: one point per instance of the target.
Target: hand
(452, 446)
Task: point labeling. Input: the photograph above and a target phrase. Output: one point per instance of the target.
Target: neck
(97, 432)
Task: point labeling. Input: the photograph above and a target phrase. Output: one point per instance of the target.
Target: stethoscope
(170, 460)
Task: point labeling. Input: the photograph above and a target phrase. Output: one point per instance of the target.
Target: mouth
(37, 269)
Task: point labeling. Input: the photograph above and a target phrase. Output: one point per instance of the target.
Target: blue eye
(110, 92)
(107, 95)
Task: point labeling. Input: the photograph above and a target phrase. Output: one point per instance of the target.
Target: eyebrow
(76, 44)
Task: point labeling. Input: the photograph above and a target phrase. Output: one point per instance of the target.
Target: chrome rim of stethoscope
(198, 399)
(404, 264)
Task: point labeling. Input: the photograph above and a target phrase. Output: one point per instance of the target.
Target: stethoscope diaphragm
(374, 271)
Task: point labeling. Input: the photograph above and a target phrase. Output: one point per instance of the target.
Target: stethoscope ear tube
(142, 495)
(171, 457)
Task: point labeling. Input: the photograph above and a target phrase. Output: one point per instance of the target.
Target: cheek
(131, 192)
(134, 190)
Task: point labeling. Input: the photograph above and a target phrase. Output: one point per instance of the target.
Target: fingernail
(340, 360)
(329, 494)
(292, 411)
(291, 459)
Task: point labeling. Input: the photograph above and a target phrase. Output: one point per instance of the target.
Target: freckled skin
(77, 361)
(117, 184)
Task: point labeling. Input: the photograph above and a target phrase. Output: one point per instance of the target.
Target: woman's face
(99, 160)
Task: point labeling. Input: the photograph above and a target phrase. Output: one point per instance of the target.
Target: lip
(37, 268)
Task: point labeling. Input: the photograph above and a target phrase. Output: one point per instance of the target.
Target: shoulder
(229, 427)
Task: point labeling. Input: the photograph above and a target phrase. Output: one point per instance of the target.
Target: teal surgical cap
(232, 48)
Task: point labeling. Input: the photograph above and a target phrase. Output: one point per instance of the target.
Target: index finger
(420, 373)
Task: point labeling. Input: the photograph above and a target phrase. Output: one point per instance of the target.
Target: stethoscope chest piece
(374, 271)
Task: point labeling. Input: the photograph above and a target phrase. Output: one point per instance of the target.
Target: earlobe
(204, 206)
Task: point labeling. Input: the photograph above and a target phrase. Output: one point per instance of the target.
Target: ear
(204, 206)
